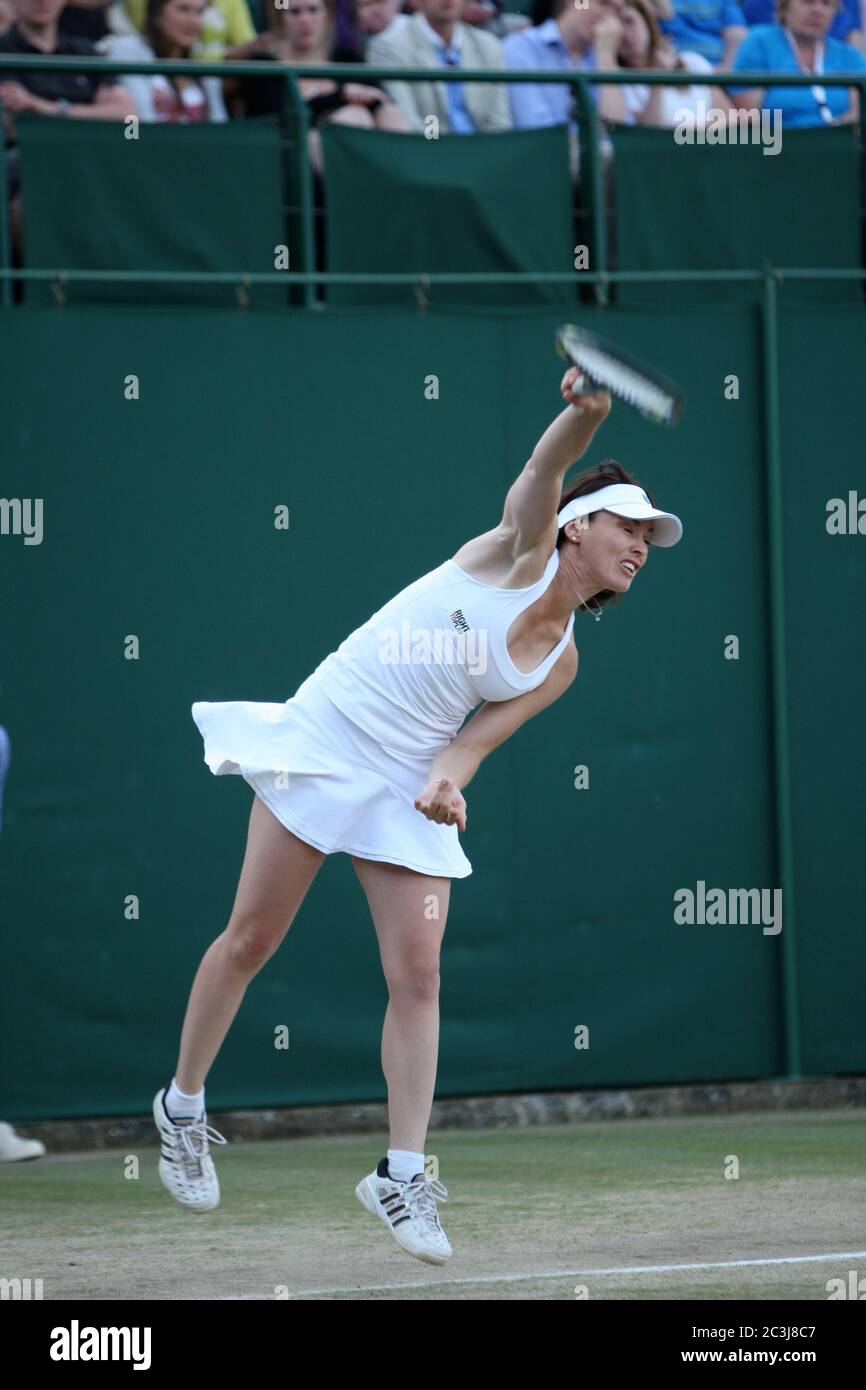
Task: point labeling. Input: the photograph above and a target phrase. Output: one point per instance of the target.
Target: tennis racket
(603, 364)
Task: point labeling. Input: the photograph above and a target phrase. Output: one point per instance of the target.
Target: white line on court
(557, 1274)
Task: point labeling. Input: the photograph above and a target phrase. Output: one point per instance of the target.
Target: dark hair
(159, 43)
(271, 13)
(592, 480)
(648, 15)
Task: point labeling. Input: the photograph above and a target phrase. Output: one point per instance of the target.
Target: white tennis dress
(342, 761)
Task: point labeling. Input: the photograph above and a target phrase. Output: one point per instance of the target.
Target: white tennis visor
(625, 500)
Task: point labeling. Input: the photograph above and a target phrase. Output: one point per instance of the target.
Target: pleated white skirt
(328, 781)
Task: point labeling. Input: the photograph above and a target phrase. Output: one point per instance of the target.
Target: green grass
(534, 1202)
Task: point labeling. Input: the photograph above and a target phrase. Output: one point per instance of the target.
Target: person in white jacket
(171, 29)
(432, 38)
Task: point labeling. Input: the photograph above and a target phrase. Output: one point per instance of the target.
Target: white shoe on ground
(409, 1211)
(185, 1166)
(13, 1147)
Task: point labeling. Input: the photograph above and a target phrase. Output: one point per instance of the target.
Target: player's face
(614, 549)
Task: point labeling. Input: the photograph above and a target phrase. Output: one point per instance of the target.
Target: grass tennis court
(530, 1214)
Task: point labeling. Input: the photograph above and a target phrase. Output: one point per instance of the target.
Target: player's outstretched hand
(442, 801)
(590, 402)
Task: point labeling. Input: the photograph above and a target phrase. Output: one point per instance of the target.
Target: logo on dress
(419, 646)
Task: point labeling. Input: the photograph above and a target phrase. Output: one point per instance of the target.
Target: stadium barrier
(767, 194)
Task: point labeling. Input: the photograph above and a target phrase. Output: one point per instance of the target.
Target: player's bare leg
(409, 912)
(277, 871)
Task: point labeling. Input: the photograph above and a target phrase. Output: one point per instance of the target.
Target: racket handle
(583, 385)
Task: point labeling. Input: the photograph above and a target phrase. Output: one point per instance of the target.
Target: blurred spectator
(374, 16)
(644, 46)
(379, 17)
(81, 96)
(7, 15)
(847, 22)
(587, 39)
(88, 19)
(268, 96)
(77, 94)
(303, 33)
(435, 37)
(799, 43)
(172, 28)
(713, 28)
(227, 31)
(492, 17)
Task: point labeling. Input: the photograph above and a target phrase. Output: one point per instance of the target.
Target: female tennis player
(371, 756)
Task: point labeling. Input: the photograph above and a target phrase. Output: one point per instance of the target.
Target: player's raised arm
(533, 499)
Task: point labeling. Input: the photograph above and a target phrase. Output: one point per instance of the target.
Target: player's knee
(415, 981)
(252, 939)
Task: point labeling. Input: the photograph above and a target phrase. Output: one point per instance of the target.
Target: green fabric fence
(158, 522)
(177, 198)
(499, 202)
(702, 206)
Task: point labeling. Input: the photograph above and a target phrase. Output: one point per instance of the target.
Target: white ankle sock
(180, 1106)
(403, 1164)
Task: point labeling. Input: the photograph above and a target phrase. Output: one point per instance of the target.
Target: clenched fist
(572, 388)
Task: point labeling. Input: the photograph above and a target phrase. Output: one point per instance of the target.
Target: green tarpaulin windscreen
(731, 206)
(178, 198)
(470, 203)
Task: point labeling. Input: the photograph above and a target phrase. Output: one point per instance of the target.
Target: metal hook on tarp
(418, 290)
(601, 289)
(241, 292)
(58, 288)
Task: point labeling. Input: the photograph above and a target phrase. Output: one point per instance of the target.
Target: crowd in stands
(698, 37)
(701, 37)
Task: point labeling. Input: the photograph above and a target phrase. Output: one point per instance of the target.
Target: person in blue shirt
(585, 37)
(799, 42)
(847, 24)
(713, 28)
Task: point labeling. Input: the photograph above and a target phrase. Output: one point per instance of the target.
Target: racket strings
(624, 382)
(632, 382)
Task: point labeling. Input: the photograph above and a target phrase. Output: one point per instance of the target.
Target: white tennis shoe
(14, 1147)
(409, 1211)
(185, 1166)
